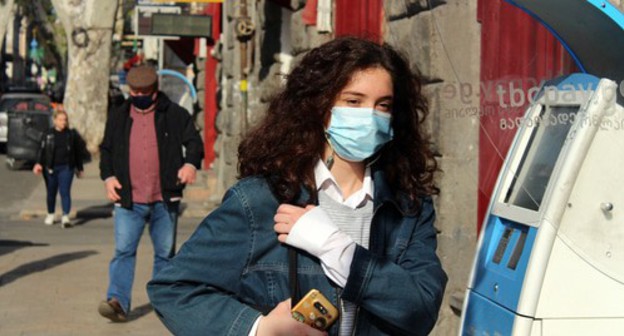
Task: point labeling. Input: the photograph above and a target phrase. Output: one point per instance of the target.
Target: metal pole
(161, 58)
(243, 70)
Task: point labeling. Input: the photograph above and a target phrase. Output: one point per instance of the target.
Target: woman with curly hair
(340, 173)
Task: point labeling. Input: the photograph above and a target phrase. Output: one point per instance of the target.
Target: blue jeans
(60, 180)
(129, 225)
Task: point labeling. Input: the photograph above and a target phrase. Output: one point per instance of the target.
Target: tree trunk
(6, 13)
(88, 24)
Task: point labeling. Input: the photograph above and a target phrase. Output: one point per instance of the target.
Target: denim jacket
(234, 262)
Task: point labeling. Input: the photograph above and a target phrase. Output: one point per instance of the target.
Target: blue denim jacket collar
(384, 194)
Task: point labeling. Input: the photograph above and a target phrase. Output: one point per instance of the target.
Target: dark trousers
(60, 180)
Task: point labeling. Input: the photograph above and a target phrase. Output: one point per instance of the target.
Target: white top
(317, 234)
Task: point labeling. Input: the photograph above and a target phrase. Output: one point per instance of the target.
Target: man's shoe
(112, 310)
(65, 222)
(49, 219)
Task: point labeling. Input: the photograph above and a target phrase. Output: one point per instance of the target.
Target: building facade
(481, 60)
(442, 41)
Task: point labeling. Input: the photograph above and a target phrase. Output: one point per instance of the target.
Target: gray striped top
(356, 223)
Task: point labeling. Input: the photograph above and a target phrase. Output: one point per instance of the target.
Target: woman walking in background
(60, 154)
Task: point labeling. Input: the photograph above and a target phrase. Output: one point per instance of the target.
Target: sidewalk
(52, 279)
(89, 198)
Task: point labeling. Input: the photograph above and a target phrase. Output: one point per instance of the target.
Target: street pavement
(52, 279)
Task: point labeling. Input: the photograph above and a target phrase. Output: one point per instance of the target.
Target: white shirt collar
(326, 182)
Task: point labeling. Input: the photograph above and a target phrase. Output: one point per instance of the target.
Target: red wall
(210, 107)
(361, 18)
(517, 53)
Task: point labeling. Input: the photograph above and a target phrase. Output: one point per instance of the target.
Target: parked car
(20, 101)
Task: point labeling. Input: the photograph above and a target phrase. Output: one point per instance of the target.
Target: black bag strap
(295, 291)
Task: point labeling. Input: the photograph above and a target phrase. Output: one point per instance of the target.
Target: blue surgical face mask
(357, 133)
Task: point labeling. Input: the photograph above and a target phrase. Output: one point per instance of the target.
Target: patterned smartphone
(315, 310)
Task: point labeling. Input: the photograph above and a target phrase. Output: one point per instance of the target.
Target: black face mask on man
(142, 102)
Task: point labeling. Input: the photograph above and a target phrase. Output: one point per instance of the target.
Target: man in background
(145, 169)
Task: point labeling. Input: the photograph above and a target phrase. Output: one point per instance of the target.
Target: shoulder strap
(295, 291)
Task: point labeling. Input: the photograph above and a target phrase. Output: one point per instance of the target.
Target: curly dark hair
(286, 145)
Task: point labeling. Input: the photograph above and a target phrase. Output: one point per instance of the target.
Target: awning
(591, 30)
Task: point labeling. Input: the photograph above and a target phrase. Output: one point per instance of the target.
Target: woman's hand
(79, 173)
(279, 322)
(286, 217)
(37, 169)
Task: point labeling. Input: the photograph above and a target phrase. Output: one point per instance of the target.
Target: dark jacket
(234, 262)
(76, 148)
(174, 130)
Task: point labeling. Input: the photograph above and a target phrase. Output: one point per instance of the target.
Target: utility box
(25, 131)
(550, 256)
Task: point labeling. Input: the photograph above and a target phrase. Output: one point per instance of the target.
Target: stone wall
(279, 37)
(443, 41)
(618, 3)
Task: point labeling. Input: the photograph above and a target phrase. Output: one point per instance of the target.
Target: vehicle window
(7, 104)
(40, 106)
(24, 104)
(20, 106)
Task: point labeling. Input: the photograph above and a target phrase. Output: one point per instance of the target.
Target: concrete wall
(618, 3)
(279, 38)
(443, 42)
